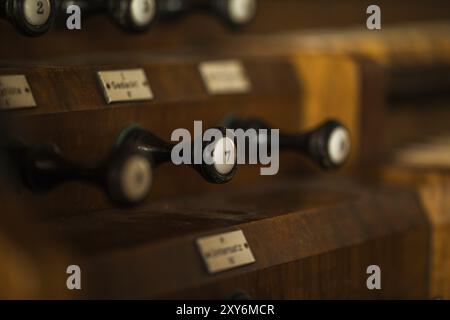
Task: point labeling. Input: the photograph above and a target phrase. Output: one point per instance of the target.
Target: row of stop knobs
(36, 17)
(126, 174)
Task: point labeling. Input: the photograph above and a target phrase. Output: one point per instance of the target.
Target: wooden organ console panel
(87, 172)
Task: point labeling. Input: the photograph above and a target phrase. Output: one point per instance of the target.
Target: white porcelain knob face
(36, 12)
(339, 145)
(142, 12)
(136, 178)
(224, 155)
(241, 11)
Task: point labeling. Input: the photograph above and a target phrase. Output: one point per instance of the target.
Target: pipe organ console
(30, 17)
(318, 150)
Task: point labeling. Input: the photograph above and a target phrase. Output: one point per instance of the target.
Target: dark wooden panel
(311, 239)
(71, 111)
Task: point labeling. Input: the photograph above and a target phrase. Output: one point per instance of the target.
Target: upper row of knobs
(35, 17)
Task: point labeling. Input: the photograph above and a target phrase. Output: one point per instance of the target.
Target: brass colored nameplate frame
(225, 77)
(125, 85)
(225, 251)
(15, 92)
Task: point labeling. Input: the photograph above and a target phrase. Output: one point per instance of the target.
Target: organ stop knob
(134, 15)
(328, 145)
(221, 153)
(236, 12)
(126, 174)
(30, 17)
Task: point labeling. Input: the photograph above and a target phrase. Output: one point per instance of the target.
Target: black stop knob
(30, 17)
(134, 15)
(236, 13)
(126, 174)
(218, 156)
(328, 145)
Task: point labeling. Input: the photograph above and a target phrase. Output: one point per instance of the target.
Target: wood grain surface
(311, 238)
(433, 187)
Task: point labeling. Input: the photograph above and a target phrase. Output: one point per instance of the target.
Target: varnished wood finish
(311, 239)
(33, 264)
(433, 187)
(283, 92)
(180, 98)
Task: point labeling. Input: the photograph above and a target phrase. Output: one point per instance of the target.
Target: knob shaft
(235, 13)
(174, 8)
(328, 145)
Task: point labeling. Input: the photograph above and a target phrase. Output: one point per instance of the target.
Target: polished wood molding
(311, 238)
(433, 188)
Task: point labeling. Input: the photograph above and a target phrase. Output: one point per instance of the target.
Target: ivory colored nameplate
(15, 92)
(225, 251)
(225, 77)
(125, 85)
